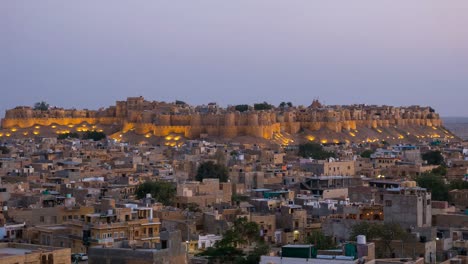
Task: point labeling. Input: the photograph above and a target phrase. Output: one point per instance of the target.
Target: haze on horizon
(88, 54)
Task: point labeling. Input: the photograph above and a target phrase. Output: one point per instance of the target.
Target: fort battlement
(161, 119)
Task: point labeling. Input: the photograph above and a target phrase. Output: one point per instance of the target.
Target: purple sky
(92, 53)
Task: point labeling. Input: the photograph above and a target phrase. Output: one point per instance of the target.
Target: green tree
(241, 233)
(321, 241)
(386, 232)
(367, 153)
(163, 192)
(433, 157)
(435, 184)
(42, 106)
(458, 184)
(242, 108)
(4, 150)
(178, 102)
(263, 106)
(315, 151)
(68, 135)
(94, 135)
(441, 170)
(209, 170)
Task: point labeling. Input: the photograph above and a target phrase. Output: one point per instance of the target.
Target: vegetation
(315, 151)
(178, 102)
(94, 135)
(433, 157)
(4, 150)
(321, 241)
(68, 135)
(386, 232)
(435, 184)
(163, 192)
(242, 108)
(263, 106)
(434, 181)
(209, 170)
(284, 104)
(42, 106)
(367, 153)
(242, 233)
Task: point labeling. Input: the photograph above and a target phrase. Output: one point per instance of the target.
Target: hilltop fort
(151, 119)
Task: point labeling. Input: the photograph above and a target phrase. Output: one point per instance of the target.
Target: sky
(89, 54)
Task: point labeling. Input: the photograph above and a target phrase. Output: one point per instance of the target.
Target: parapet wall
(162, 119)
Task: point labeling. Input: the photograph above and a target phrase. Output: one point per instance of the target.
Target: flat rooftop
(8, 252)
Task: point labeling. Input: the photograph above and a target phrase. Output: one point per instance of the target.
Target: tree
(4, 150)
(367, 153)
(441, 171)
(315, 151)
(263, 106)
(458, 184)
(284, 104)
(178, 102)
(241, 233)
(433, 157)
(321, 241)
(163, 192)
(94, 135)
(241, 108)
(435, 184)
(42, 106)
(386, 232)
(210, 170)
(68, 135)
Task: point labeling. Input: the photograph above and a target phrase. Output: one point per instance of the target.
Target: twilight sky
(88, 53)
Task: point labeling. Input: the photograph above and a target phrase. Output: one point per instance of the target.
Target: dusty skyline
(89, 54)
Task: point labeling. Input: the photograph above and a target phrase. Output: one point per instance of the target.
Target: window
(116, 235)
(41, 219)
(388, 203)
(122, 234)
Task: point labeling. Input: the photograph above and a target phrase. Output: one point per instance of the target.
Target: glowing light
(169, 138)
(25, 133)
(36, 132)
(70, 126)
(324, 141)
(100, 130)
(1, 134)
(336, 141)
(54, 127)
(7, 134)
(37, 127)
(13, 129)
(176, 138)
(378, 130)
(310, 138)
(147, 135)
(352, 134)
